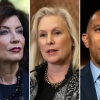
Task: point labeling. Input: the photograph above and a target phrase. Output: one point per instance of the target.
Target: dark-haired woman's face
(11, 40)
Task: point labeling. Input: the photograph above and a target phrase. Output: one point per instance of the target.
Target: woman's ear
(85, 40)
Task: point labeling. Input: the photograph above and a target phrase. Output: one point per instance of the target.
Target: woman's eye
(42, 35)
(57, 32)
(3, 32)
(19, 31)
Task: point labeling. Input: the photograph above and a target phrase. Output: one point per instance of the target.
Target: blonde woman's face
(54, 40)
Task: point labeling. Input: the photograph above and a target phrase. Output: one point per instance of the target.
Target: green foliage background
(22, 5)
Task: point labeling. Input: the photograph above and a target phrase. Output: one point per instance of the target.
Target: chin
(16, 58)
(53, 61)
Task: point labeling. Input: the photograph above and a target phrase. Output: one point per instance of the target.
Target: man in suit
(90, 84)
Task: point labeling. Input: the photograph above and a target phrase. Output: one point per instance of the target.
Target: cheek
(65, 43)
(94, 42)
(22, 40)
(41, 44)
(4, 44)
(94, 45)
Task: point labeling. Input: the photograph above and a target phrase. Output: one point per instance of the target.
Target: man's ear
(85, 40)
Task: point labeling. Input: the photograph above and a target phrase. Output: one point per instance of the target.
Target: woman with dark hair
(14, 55)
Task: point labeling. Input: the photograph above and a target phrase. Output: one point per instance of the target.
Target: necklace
(18, 88)
(55, 85)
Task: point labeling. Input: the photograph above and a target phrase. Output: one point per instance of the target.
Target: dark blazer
(87, 91)
(25, 86)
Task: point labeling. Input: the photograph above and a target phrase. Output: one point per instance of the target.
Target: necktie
(98, 87)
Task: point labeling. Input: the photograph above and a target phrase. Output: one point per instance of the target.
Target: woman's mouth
(15, 49)
(52, 51)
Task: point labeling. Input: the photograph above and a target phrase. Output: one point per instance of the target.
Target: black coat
(25, 86)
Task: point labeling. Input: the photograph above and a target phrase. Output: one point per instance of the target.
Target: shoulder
(33, 88)
(33, 83)
(73, 86)
(70, 90)
(75, 76)
(85, 69)
(25, 80)
(25, 75)
(74, 80)
(25, 84)
(39, 71)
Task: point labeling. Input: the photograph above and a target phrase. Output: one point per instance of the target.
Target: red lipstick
(15, 49)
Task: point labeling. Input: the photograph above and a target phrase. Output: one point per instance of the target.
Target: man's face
(92, 38)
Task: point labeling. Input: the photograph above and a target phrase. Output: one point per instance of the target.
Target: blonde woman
(54, 56)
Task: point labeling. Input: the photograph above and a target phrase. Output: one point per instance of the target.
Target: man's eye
(97, 29)
(19, 31)
(3, 32)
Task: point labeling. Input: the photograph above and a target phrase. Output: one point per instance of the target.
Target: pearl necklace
(18, 88)
(55, 85)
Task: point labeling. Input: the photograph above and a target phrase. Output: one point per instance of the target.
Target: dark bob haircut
(6, 12)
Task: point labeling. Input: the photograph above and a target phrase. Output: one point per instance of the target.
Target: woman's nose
(14, 37)
(50, 40)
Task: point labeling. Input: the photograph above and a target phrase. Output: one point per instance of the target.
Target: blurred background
(71, 5)
(23, 5)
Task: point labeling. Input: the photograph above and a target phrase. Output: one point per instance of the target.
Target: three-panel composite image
(49, 49)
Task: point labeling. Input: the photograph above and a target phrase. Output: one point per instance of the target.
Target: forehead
(13, 20)
(96, 18)
(51, 20)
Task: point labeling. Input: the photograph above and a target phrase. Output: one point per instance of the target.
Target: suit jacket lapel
(87, 83)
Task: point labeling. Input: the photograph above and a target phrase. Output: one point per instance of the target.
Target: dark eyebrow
(97, 25)
(9, 28)
(19, 27)
(5, 27)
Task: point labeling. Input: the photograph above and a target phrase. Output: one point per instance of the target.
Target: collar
(95, 71)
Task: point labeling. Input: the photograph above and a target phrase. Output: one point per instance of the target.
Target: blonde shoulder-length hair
(35, 54)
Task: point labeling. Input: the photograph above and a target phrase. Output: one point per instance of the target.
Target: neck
(8, 72)
(57, 72)
(96, 63)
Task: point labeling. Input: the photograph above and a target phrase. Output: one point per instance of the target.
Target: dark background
(87, 8)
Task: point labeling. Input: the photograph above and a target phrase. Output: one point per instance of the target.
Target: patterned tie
(98, 87)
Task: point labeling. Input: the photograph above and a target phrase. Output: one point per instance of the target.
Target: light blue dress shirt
(95, 73)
